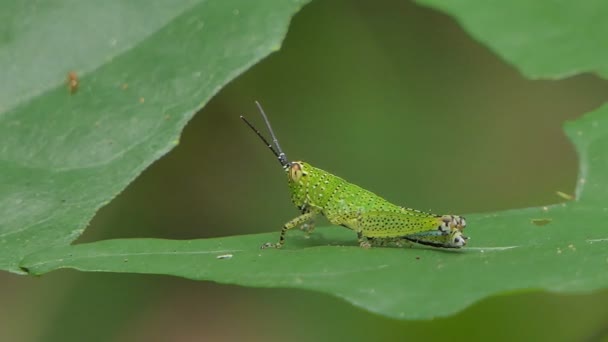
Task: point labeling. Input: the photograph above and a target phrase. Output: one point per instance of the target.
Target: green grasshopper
(375, 220)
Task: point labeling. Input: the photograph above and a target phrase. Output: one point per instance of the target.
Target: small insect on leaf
(376, 221)
(541, 221)
(72, 82)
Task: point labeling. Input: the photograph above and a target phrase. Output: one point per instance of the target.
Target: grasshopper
(375, 220)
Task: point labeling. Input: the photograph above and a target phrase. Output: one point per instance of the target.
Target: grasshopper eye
(296, 172)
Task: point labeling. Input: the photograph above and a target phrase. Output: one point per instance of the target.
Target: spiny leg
(290, 225)
(383, 224)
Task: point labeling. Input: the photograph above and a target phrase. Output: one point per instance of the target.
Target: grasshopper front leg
(304, 218)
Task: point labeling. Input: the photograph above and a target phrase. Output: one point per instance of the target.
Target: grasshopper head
(299, 175)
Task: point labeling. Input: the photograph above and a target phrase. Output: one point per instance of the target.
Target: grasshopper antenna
(278, 152)
(282, 157)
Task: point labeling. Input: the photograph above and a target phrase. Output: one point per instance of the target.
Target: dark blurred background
(391, 96)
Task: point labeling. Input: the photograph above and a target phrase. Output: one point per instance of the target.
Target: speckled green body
(376, 221)
(351, 206)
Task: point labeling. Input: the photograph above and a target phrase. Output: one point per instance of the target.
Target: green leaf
(142, 75)
(543, 39)
(561, 248)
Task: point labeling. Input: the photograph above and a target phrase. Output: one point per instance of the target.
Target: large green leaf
(145, 67)
(543, 39)
(560, 248)
(133, 102)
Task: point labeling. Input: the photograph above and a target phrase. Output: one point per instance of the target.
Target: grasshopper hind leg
(390, 242)
(454, 239)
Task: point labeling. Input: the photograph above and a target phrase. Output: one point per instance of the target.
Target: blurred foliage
(67, 153)
(347, 76)
(549, 39)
